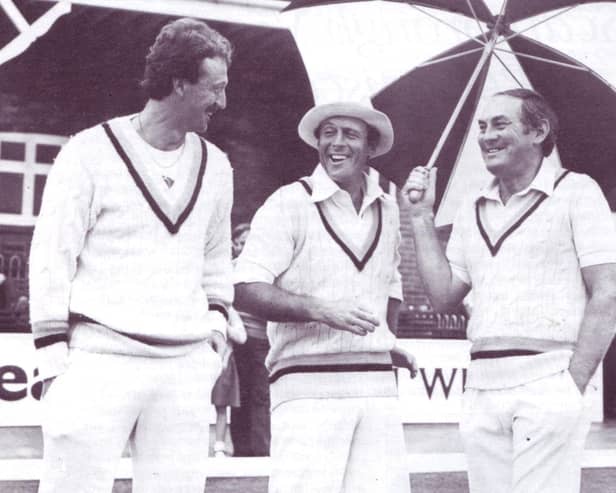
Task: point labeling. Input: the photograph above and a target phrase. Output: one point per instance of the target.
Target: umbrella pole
(467, 90)
(415, 195)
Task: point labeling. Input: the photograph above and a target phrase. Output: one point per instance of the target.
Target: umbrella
(561, 48)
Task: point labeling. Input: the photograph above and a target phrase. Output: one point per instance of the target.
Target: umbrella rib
(472, 9)
(13, 13)
(508, 70)
(542, 59)
(451, 26)
(518, 33)
(447, 58)
(485, 56)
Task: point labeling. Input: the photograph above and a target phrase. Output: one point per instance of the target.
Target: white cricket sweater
(110, 247)
(290, 240)
(527, 286)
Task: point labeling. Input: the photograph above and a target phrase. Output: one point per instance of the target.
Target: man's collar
(542, 182)
(323, 187)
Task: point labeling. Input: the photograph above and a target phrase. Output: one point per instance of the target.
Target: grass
(593, 481)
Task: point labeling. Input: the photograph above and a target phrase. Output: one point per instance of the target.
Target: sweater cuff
(51, 343)
(217, 306)
(52, 358)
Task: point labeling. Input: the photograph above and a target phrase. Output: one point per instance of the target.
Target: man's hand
(347, 315)
(419, 190)
(227, 354)
(219, 344)
(403, 359)
(597, 328)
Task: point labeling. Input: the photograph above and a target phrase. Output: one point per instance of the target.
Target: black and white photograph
(307, 246)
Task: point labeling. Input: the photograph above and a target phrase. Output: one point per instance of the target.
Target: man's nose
(339, 139)
(487, 135)
(221, 101)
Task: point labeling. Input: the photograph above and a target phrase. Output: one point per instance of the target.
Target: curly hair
(534, 109)
(178, 52)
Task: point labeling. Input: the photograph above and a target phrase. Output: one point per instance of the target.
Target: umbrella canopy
(429, 65)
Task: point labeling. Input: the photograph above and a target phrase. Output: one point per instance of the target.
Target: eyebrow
(496, 118)
(342, 127)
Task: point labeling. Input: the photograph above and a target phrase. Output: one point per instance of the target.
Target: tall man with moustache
(538, 248)
(130, 280)
(321, 262)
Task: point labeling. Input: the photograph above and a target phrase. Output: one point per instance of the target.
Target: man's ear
(371, 150)
(542, 130)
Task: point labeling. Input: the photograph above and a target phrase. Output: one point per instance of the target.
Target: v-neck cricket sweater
(108, 248)
(297, 247)
(528, 290)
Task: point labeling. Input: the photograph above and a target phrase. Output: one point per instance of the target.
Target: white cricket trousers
(159, 405)
(525, 439)
(350, 445)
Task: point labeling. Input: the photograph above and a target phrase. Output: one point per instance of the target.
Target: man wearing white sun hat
(321, 262)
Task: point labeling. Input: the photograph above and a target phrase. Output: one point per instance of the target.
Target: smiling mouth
(492, 150)
(337, 158)
(210, 110)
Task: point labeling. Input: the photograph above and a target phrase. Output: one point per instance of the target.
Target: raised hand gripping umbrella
(561, 48)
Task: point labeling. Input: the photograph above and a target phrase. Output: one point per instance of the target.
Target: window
(15, 267)
(25, 161)
(46, 153)
(12, 151)
(11, 185)
(39, 185)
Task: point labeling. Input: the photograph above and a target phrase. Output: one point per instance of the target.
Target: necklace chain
(151, 154)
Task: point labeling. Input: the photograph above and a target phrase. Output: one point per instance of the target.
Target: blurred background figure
(4, 296)
(21, 309)
(250, 423)
(226, 391)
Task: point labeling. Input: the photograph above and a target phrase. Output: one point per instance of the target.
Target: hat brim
(378, 120)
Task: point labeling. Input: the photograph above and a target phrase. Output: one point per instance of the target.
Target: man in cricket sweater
(130, 280)
(321, 262)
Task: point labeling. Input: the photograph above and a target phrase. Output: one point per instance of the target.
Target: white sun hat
(378, 120)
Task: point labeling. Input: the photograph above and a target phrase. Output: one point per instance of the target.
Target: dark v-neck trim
(172, 227)
(359, 263)
(494, 248)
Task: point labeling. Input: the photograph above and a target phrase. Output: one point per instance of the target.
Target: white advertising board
(20, 387)
(434, 396)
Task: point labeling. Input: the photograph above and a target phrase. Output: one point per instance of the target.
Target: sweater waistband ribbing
(503, 354)
(502, 373)
(328, 369)
(98, 338)
(329, 385)
(332, 359)
(516, 343)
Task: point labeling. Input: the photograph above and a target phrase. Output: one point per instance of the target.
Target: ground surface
(593, 481)
(26, 443)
